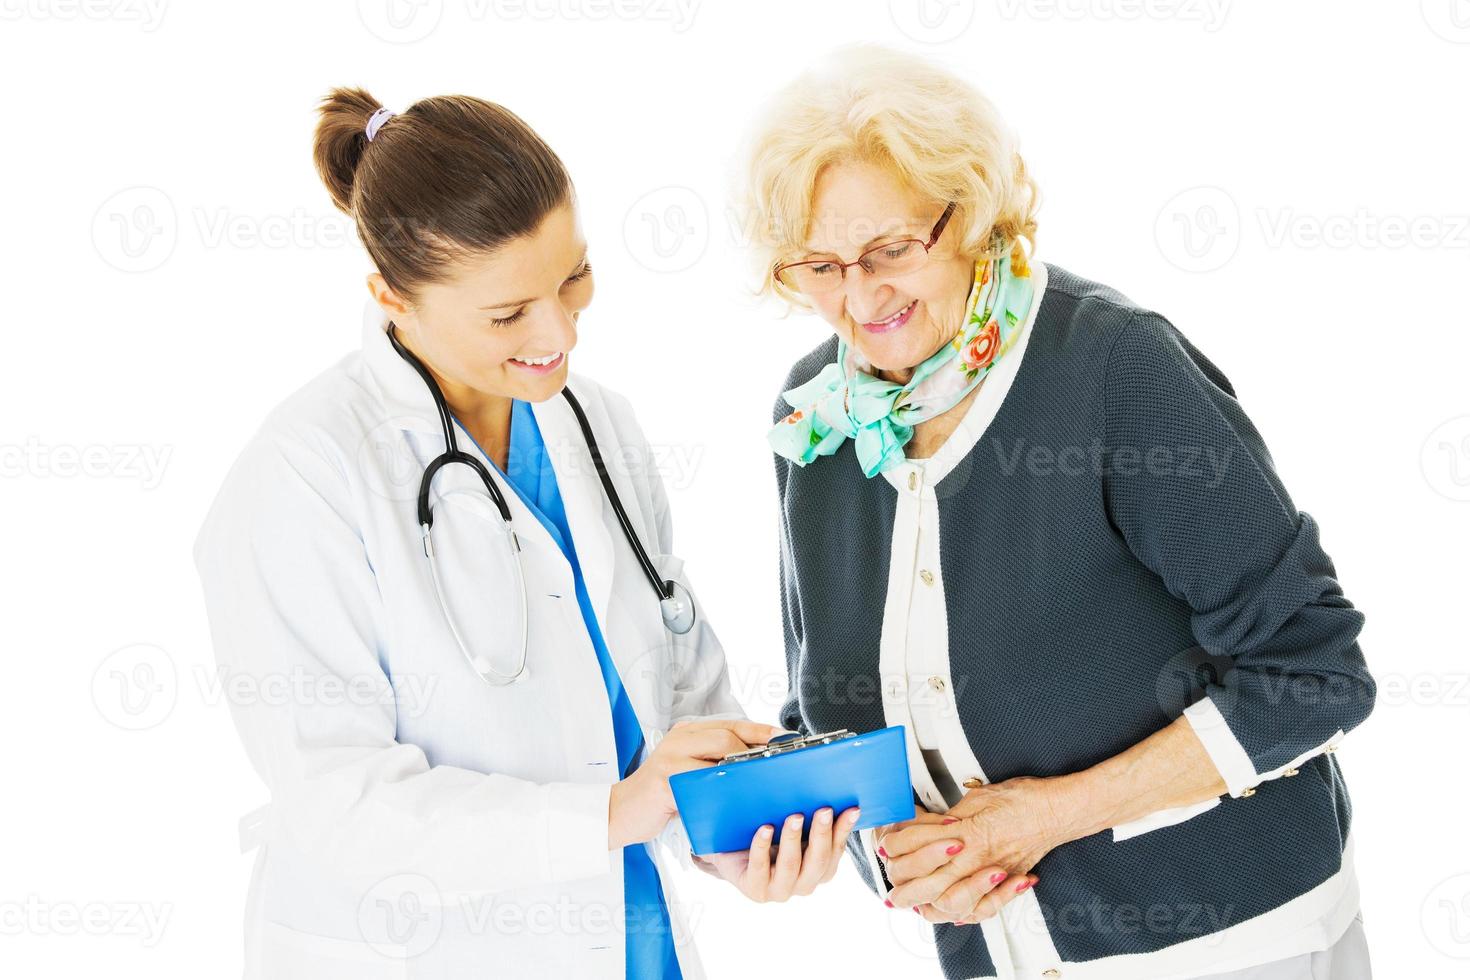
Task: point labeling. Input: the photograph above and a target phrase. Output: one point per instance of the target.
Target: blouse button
(937, 683)
(913, 480)
(1053, 972)
(927, 576)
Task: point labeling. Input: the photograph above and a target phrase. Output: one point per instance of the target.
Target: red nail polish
(998, 877)
(887, 903)
(1022, 887)
(950, 820)
(955, 848)
(882, 853)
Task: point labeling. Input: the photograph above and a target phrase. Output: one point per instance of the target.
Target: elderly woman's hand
(965, 865)
(774, 873)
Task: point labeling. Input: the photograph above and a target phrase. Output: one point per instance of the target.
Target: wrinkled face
(897, 322)
(502, 325)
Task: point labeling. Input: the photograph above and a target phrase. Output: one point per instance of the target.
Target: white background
(1285, 182)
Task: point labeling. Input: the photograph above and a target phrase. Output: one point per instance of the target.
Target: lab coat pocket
(289, 954)
(1162, 818)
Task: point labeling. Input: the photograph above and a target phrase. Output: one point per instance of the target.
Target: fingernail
(998, 877)
(1023, 886)
(955, 848)
(825, 815)
(887, 903)
(767, 831)
(949, 820)
(882, 853)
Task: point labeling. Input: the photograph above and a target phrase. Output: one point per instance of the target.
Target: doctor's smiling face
(894, 322)
(500, 325)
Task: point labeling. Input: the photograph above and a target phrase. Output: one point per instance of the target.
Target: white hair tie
(376, 120)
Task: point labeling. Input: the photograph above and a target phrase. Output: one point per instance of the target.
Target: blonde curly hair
(935, 133)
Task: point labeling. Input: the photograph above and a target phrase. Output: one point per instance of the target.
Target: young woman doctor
(469, 755)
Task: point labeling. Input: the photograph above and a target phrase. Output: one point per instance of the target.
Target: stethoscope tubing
(678, 612)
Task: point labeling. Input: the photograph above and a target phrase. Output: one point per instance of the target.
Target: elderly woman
(1026, 519)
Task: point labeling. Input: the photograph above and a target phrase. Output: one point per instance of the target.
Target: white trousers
(1346, 959)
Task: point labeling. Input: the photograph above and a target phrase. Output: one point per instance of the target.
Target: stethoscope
(675, 603)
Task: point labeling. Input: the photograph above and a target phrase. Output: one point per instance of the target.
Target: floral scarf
(844, 401)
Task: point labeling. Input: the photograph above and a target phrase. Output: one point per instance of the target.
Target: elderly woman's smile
(895, 323)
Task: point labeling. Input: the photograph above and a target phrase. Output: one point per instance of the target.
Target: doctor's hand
(642, 804)
(774, 874)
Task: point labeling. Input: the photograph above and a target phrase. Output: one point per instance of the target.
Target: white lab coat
(423, 823)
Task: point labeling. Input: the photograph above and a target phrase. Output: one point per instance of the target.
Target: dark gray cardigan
(1117, 544)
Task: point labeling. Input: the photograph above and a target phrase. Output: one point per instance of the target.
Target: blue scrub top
(650, 940)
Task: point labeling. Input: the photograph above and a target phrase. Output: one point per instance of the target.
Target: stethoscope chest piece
(677, 609)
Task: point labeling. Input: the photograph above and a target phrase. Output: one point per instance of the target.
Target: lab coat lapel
(588, 514)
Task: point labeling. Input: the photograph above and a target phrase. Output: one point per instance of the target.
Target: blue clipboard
(724, 805)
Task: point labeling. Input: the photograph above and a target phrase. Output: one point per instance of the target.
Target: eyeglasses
(898, 258)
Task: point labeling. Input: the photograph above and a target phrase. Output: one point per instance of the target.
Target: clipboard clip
(789, 742)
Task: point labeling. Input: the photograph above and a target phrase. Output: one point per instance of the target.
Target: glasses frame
(862, 260)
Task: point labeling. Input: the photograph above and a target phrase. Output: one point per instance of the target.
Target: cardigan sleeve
(1191, 488)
